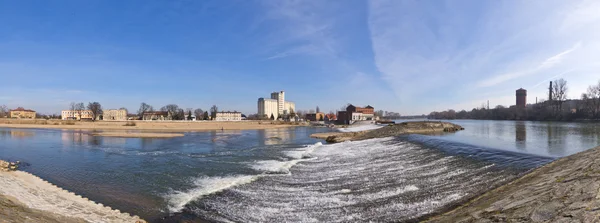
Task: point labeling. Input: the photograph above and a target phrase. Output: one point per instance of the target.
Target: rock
(545, 212)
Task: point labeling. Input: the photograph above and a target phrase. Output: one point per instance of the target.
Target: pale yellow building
(275, 106)
(74, 115)
(228, 116)
(22, 113)
(114, 114)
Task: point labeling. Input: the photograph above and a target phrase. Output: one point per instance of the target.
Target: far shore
(146, 126)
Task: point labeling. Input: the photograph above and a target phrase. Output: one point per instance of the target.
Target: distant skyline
(411, 57)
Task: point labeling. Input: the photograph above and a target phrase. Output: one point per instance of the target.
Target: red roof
(22, 109)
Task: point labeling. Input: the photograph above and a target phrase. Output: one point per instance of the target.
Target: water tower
(521, 97)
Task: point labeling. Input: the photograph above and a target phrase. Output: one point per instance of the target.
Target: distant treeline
(558, 108)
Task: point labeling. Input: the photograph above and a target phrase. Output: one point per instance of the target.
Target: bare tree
(95, 108)
(172, 109)
(559, 94)
(73, 107)
(591, 100)
(199, 114)
(213, 111)
(79, 108)
(144, 108)
(3, 111)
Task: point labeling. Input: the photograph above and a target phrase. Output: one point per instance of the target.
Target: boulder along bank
(421, 127)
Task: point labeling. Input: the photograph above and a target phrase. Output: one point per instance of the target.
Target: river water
(282, 175)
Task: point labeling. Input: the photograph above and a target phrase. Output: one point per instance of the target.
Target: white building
(228, 116)
(359, 116)
(74, 115)
(275, 106)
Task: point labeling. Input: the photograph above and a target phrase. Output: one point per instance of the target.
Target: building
(22, 113)
(74, 115)
(276, 106)
(114, 114)
(319, 116)
(330, 117)
(157, 115)
(228, 116)
(354, 113)
(521, 98)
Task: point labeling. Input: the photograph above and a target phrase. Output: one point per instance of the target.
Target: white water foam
(303, 153)
(205, 186)
(208, 185)
(376, 180)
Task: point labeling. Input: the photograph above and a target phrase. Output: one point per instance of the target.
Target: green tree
(272, 116)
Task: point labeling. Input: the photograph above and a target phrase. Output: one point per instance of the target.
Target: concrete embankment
(566, 190)
(27, 198)
(421, 127)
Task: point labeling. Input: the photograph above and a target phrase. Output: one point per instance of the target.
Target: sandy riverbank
(27, 198)
(148, 126)
(566, 190)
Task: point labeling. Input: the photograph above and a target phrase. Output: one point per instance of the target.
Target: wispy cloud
(449, 52)
(546, 64)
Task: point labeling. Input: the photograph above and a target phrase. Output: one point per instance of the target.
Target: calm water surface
(283, 175)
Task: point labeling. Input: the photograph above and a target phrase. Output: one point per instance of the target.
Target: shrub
(129, 124)
(69, 123)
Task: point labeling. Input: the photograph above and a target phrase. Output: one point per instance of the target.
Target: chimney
(550, 92)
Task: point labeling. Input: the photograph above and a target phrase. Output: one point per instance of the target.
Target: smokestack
(550, 92)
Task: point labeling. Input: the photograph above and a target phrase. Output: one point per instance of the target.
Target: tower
(550, 92)
(521, 97)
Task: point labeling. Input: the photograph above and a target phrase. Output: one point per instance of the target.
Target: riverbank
(566, 190)
(148, 126)
(418, 127)
(27, 198)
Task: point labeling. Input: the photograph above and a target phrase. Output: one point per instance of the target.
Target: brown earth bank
(154, 126)
(418, 127)
(566, 190)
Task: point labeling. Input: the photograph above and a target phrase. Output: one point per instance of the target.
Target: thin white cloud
(444, 52)
(546, 64)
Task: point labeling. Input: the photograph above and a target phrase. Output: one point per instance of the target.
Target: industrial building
(354, 113)
(276, 106)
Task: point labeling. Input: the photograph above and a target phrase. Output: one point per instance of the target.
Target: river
(281, 175)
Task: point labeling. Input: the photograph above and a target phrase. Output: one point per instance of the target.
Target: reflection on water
(16, 133)
(555, 139)
(520, 135)
(275, 136)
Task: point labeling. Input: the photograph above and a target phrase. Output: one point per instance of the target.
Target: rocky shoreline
(566, 190)
(27, 198)
(419, 127)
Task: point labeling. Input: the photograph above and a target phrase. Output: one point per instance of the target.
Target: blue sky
(411, 57)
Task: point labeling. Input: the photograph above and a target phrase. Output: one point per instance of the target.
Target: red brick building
(351, 112)
(521, 97)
